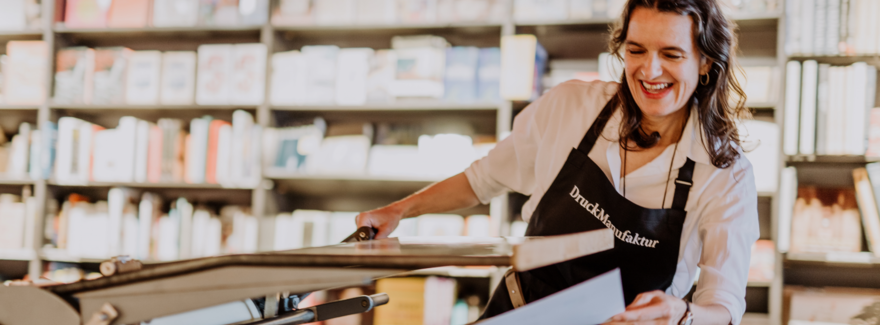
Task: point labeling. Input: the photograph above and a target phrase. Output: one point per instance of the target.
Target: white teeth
(656, 87)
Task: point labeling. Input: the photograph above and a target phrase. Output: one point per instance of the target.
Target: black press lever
(362, 234)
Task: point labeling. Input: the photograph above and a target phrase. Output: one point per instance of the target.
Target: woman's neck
(669, 127)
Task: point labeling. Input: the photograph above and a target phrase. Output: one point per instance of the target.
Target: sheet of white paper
(591, 302)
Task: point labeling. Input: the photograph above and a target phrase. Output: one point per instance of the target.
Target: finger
(384, 230)
(645, 298)
(362, 220)
(645, 313)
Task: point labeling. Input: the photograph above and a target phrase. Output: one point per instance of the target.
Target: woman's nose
(652, 68)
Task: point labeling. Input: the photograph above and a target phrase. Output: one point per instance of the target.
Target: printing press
(222, 289)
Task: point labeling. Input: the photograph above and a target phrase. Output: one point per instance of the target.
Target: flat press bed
(160, 290)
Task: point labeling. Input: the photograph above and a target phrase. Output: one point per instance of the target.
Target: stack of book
(15, 153)
(135, 225)
(23, 70)
(17, 214)
(831, 305)
(525, 11)
(163, 13)
(310, 228)
(388, 12)
(827, 108)
(213, 151)
(20, 15)
(219, 74)
(831, 27)
(415, 67)
(304, 150)
(420, 300)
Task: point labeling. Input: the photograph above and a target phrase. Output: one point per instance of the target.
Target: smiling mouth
(655, 88)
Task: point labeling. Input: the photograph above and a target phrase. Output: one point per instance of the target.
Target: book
(416, 11)
(294, 145)
(340, 155)
(198, 150)
(13, 16)
(24, 72)
(460, 81)
(215, 68)
(823, 105)
(538, 10)
(792, 105)
(825, 220)
(43, 145)
(143, 78)
(213, 150)
(440, 294)
(580, 9)
(867, 200)
(148, 215)
(175, 13)
(375, 12)
(86, 13)
(128, 14)
(289, 78)
(142, 150)
(383, 69)
(477, 225)
(421, 63)
(334, 12)
(154, 154)
(218, 12)
(408, 308)
(807, 141)
(293, 12)
(178, 78)
(253, 12)
(223, 174)
(352, 70)
(19, 152)
(74, 150)
(341, 225)
(489, 75)
(831, 305)
(172, 150)
(522, 65)
(321, 74)
(248, 78)
(74, 75)
(245, 156)
(110, 67)
(13, 214)
(873, 149)
(395, 160)
(245, 228)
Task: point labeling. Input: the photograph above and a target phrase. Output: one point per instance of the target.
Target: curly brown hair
(719, 103)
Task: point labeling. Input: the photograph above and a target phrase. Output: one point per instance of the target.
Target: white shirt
(722, 209)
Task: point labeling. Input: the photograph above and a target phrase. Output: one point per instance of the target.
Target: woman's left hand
(655, 307)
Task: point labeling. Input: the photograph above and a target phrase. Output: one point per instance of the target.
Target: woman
(658, 155)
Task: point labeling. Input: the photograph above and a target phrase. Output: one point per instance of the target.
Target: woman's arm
(657, 307)
(450, 194)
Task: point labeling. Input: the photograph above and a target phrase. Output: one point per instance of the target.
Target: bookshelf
(762, 39)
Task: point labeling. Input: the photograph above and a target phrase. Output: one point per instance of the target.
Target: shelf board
(389, 27)
(61, 29)
(19, 107)
(17, 254)
(758, 284)
(820, 159)
(145, 185)
(337, 185)
(768, 194)
(838, 59)
(16, 181)
(61, 255)
(756, 319)
(122, 107)
(834, 258)
(750, 18)
(762, 106)
(14, 34)
(396, 106)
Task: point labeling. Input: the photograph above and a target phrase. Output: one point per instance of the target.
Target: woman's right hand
(384, 219)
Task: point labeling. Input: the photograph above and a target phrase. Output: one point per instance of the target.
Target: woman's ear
(705, 64)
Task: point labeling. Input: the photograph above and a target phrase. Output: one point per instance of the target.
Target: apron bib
(580, 199)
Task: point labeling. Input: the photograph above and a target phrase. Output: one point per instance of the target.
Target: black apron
(581, 199)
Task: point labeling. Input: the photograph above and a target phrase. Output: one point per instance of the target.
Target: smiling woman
(597, 155)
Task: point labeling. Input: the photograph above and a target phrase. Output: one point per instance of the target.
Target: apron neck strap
(683, 185)
(595, 130)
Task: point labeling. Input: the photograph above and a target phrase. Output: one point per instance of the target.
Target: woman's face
(663, 66)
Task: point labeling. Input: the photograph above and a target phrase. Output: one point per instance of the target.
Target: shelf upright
(35, 266)
(260, 195)
(777, 283)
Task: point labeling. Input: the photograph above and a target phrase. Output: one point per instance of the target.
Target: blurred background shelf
(17, 254)
(396, 106)
(840, 258)
(203, 186)
(125, 107)
(324, 185)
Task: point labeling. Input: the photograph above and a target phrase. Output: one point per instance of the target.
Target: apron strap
(595, 130)
(514, 289)
(683, 185)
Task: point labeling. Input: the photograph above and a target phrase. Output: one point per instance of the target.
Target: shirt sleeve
(728, 228)
(510, 165)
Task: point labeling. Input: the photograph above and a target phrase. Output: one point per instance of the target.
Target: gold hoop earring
(707, 79)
